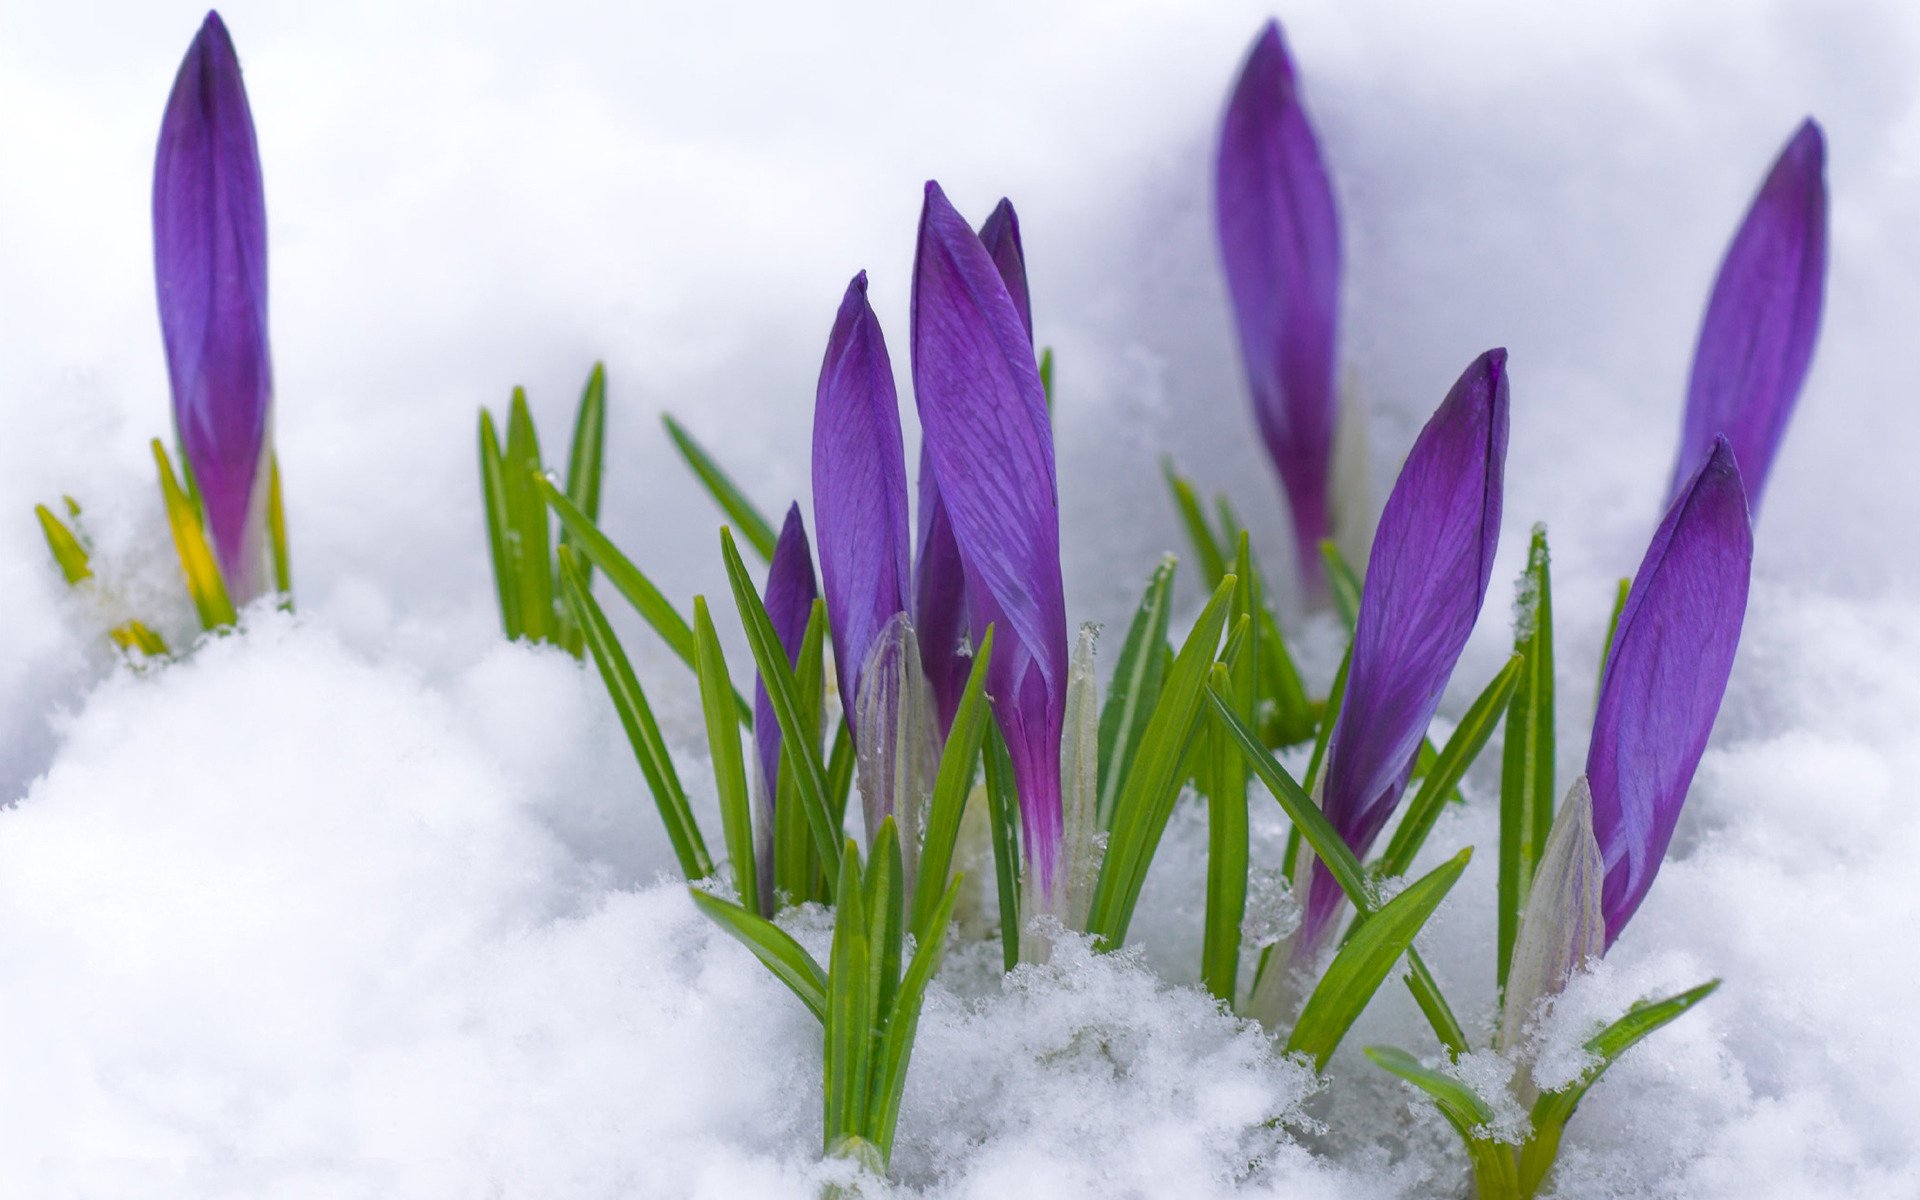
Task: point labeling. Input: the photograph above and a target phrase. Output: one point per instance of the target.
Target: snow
(366, 902)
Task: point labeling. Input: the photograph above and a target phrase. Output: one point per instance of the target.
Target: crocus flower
(1762, 320)
(1425, 581)
(210, 269)
(1280, 247)
(988, 441)
(1666, 673)
(859, 490)
(939, 580)
(789, 599)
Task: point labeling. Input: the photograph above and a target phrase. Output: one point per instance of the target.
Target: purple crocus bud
(1666, 673)
(789, 599)
(1425, 581)
(1762, 320)
(859, 489)
(987, 438)
(939, 583)
(1280, 247)
(210, 270)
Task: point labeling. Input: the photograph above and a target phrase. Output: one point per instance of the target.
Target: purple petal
(1666, 673)
(1762, 320)
(1001, 236)
(210, 271)
(940, 603)
(859, 489)
(1280, 247)
(1425, 581)
(789, 599)
(986, 436)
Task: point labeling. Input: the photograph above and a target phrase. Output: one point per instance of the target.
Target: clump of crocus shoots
(210, 274)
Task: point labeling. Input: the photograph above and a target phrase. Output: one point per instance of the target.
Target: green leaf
(636, 716)
(951, 787)
(527, 521)
(753, 525)
(1553, 1110)
(797, 738)
(277, 535)
(1046, 377)
(1343, 582)
(1493, 1166)
(197, 562)
(67, 550)
(1227, 850)
(850, 1016)
(773, 946)
(1334, 852)
(723, 743)
(1365, 960)
(1450, 767)
(1613, 624)
(1003, 808)
(1153, 782)
(584, 537)
(1526, 768)
(896, 1047)
(1137, 677)
(1212, 560)
(588, 451)
(503, 549)
(886, 903)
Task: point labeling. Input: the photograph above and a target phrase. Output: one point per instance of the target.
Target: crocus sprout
(1280, 247)
(990, 446)
(1425, 581)
(789, 598)
(1666, 673)
(1762, 320)
(210, 272)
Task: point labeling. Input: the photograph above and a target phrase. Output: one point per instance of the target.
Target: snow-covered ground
(369, 903)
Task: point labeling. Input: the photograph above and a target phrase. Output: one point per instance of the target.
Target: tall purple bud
(939, 580)
(1762, 320)
(990, 447)
(859, 489)
(1280, 246)
(789, 599)
(1426, 579)
(1666, 673)
(210, 270)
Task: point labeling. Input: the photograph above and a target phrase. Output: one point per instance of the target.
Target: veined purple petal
(859, 489)
(939, 581)
(983, 416)
(789, 599)
(1666, 674)
(1280, 246)
(1762, 320)
(210, 272)
(1426, 578)
(1001, 236)
(940, 603)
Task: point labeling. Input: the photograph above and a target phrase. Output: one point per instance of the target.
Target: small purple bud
(210, 271)
(789, 599)
(1426, 578)
(1666, 673)
(1280, 246)
(1762, 320)
(987, 438)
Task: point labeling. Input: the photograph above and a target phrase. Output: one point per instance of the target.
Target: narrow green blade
(797, 739)
(1363, 963)
(636, 716)
(197, 562)
(503, 549)
(849, 1008)
(753, 525)
(1206, 548)
(527, 521)
(1493, 1165)
(1153, 783)
(1527, 768)
(1003, 806)
(723, 743)
(772, 945)
(1343, 582)
(896, 1047)
(951, 787)
(1613, 625)
(1137, 678)
(277, 535)
(67, 550)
